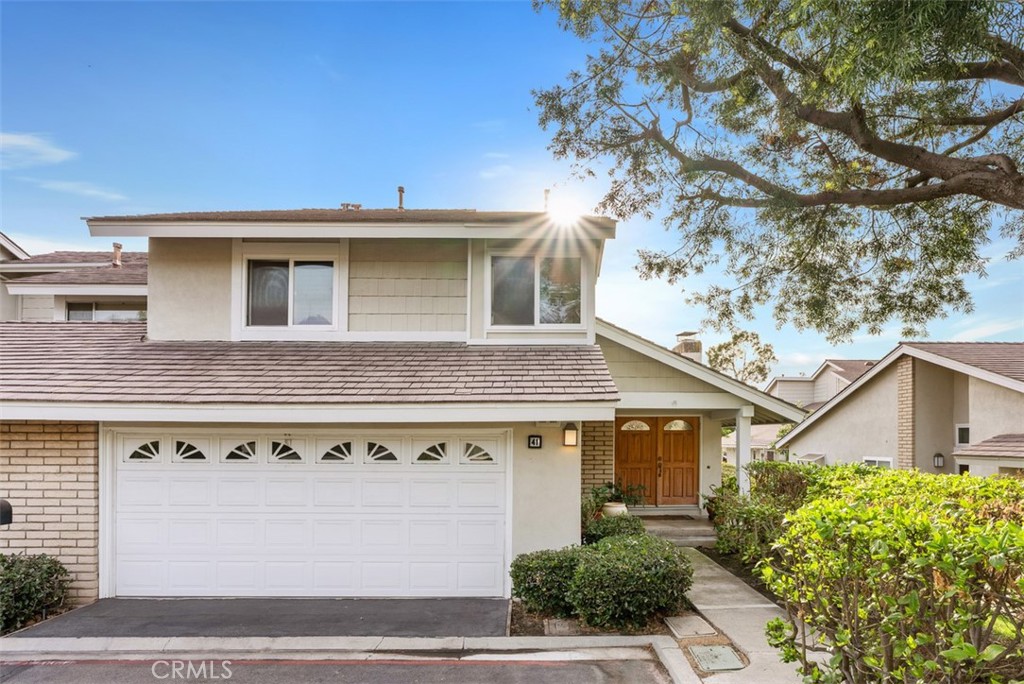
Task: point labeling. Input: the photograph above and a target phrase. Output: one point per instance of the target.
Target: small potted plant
(618, 498)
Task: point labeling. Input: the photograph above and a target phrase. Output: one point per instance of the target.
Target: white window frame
(812, 459)
(878, 461)
(489, 254)
(335, 251)
(957, 444)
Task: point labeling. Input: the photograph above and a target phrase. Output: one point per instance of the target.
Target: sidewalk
(740, 613)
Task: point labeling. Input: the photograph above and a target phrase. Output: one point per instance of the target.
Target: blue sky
(122, 108)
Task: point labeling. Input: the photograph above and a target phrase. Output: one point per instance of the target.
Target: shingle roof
(1002, 358)
(1004, 446)
(349, 216)
(129, 274)
(111, 362)
(127, 258)
(851, 369)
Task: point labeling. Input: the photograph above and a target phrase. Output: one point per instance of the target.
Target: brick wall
(598, 453)
(49, 471)
(905, 412)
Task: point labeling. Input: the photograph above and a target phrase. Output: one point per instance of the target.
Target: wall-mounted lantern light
(938, 460)
(570, 435)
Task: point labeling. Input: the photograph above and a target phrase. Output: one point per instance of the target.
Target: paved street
(336, 672)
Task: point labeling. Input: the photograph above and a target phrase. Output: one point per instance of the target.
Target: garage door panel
(347, 526)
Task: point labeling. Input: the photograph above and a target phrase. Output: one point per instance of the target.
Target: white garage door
(316, 514)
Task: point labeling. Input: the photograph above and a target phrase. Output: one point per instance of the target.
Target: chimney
(401, 198)
(689, 346)
(117, 255)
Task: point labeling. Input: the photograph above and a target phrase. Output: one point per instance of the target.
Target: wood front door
(662, 454)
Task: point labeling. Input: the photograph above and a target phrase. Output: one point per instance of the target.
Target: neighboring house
(943, 407)
(762, 444)
(831, 377)
(72, 286)
(347, 402)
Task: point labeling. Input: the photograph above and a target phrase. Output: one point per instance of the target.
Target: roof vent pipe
(117, 254)
(401, 198)
(547, 197)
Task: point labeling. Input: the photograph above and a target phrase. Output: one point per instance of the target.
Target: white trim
(509, 512)
(681, 401)
(16, 287)
(502, 412)
(43, 267)
(885, 362)
(13, 247)
(586, 228)
(957, 444)
(750, 395)
(107, 508)
(877, 460)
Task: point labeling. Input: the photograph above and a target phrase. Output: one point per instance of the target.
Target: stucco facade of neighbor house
(812, 391)
(922, 401)
(346, 402)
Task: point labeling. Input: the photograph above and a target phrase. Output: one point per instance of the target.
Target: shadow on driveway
(280, 617)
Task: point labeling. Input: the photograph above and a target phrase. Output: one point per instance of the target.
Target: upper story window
(536, 290)
(290, 292)
(106, 311)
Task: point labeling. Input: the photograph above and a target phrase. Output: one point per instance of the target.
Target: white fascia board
(283, 230)
(681, 401)
(900, 350)
(749, 395)
(16, 288)
(310, 413)
(13, 247)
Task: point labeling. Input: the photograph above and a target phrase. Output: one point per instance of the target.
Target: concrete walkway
(740, 613)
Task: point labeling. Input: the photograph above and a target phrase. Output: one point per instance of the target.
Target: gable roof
(1000, 363)
(847, 369)
(132, 273)
(112, 362)
(767, 409)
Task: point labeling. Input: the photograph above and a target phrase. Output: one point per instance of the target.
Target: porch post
(743, 416)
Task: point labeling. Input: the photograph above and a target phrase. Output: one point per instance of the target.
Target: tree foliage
(845, 159)
(743, 356)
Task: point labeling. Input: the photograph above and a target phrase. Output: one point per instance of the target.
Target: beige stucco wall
(407, 285)
(933, 415)
(545, 491)
(864, 424)
(9, 304)
(827, 385)
(634, 372)
(189, 289)
(995, 410)
(37, 307)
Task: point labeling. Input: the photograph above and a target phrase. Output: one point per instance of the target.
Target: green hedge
(611, 526)
(30, 586)
(623, 581)
(541, 579)
(904, 577)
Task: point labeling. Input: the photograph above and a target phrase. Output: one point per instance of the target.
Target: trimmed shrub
(623, 581)
(903, 577)
(30, 586)
(611, 526)
(541, 579)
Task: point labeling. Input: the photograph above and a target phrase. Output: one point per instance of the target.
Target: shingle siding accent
(598, 453)
(49, 471)
(905, 432)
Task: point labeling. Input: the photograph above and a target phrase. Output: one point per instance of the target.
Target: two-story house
(346, 402)
(940, 407)
(810, 392)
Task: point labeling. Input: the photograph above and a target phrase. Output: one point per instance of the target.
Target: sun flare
(565, 210)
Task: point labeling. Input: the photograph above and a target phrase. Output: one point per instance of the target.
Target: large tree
(845, 159)
(743, 356)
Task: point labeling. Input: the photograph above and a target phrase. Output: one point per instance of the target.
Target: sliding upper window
(290, 292)
(535, 290)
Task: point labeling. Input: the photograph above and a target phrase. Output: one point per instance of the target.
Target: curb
(362, 648)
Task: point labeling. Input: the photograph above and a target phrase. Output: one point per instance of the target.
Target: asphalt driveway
(279, 617)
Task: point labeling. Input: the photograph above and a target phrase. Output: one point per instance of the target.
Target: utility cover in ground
(716, 658)
(684, 626)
